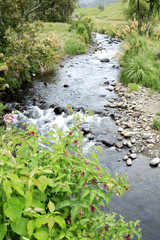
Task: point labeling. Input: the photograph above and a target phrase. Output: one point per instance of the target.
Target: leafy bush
(75, 46)
(57, 194)
(84, 27)
(27, 53)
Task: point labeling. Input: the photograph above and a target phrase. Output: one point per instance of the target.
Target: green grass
(112, 14)
(133, 88)
(156, 124)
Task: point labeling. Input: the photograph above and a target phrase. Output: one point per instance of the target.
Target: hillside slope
(95, 3)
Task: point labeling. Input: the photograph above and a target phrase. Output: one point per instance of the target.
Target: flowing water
(79, 82)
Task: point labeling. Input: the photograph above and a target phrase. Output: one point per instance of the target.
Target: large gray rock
(109, 140)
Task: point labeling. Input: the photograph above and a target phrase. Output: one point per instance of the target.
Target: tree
(154, 6)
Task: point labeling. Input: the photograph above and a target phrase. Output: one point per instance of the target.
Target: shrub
(57, 194)
(27, 53)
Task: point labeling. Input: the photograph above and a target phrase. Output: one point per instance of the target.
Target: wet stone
(119, 144)
(129, 162)
(105, 60)
(154, 162)
(125, 158)
(133, 156)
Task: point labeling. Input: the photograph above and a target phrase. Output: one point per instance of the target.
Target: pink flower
(86, 161)
(94, 181)
(69, 219)
(99, 175)
(70, 133)
(83, 174)
(93, 209)
(105, 186)
(32, 133)
(13, 119)
(66, 154)
(76, 142)
(86, 185)
(80, 212)
(106, 228)
(72, 174)
(97, 168)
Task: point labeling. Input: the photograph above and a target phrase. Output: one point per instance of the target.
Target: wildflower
(69, 219)
(66, 154)
(93, 209)
(76, 142)
(93, 181)
(72, 174)
(70, 133)
(101, 234)
(9, 118)
(68, 107)
(80, 212)
(99, 175)
(105, 186)
(128, 237)
(85, 184)
(97, 168)
(32, 133)
(83, 174)
(87, 162)
(106, 228)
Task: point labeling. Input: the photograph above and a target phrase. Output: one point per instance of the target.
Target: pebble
(154, 161)
(125, 158)
(129, 162)
(133, 156)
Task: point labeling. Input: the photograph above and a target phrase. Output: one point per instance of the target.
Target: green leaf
(30, 227)
(3, 231)
(13, 208)
(7, 188)
(64, 204)
(51, 223)
(86, 192)
(18, 189)
(41, 235)
(41, 220)
(74, 212)
(60, 221)
(28, 199)
(51, 206)
(20, 226)
(107, 199)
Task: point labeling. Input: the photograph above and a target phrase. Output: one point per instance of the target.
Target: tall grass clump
(75, 46)
(140, 59)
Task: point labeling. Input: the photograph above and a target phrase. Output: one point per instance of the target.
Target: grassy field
(112, 14)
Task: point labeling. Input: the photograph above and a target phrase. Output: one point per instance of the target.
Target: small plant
(57, 194)
(133, 87)
(156, 124)
(158, 113)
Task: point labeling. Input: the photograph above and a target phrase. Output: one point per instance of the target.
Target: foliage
(133, 87)
(101, 7)
(27, 53)
(57, 194)
(84, 27)
(140, 58)
(75, 46)
(156, 124)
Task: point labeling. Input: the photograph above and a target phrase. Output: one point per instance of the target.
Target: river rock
(108, 140)
(146, 137)
(125, 158)
(86, 130)
(154, 161)
(129, 162)
(133, 156)
(105, 60)
(65, 85)
(119, 144)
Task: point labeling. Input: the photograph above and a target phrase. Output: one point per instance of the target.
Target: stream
(85, 82)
